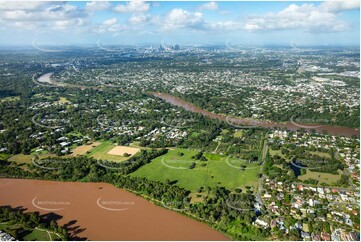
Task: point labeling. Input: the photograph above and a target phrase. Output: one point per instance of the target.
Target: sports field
(120, 150)
(83, 149)
(217, 171)
(101, 152)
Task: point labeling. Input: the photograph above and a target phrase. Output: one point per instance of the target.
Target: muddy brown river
(99, 211)
(292, 125)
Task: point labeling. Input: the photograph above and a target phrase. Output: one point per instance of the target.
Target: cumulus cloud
(67, 24)
(44, 13)
(337, 6)
(41, 16)
(111, 21)
(137, 19)
(132, 7)
(307, 17)
(324, 17)
(16, 5)
(97, 6)
(209, 6)
(179, 18)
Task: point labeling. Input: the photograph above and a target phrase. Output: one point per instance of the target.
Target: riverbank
(101, 211)
(293, 126)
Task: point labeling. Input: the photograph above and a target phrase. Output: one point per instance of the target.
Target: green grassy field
(321, 154)
(238, 134)
(100, 152)
(276, 152)
(321, 177)
(20, 158)
(9, 99)
(216, 171)
(37, 235)
(28, 234)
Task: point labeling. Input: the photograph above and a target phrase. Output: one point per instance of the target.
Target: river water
(99, 211)
(335, 130)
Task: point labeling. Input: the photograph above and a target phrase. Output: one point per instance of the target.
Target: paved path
(44, 230)
(260, 185)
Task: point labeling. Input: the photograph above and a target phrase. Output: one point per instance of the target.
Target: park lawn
(321, 154)
(238, 134)
(62, 100)
(216, 173)
(135, 144)
(26, 235)
(10, 99)
(21, 158)
(100, 152)
(37, 235)
(76, 134)
(276, 152)
(83, 149)
(4, 156)
(225, 131)
(327, 178)
(42, 152)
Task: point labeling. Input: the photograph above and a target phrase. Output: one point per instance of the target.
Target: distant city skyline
(295, 23)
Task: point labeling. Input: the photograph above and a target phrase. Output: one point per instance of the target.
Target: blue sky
(185, 23)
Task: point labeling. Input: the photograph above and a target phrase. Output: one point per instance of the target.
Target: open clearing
(10, 99)
(212, 173)
(120, 150)
(20, 158)
(29, 234)
(321, 154)
(62, 100)
(101, 152)
(83, 149)
(327, 178)
(276, 152)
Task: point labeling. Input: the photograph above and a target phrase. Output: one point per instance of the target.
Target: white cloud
(49, 13)
(209, 6)
(109, 22)
(225, 25)
(112, 28)
(68, 24)
(337, 6)
(141, 19)
(17, 5)
(179, 18)
(97, 6)
(132, 7)
(41, 16)
(306, 17)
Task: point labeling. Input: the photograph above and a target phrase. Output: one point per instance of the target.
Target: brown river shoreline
(292, 125)
(100, 211)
